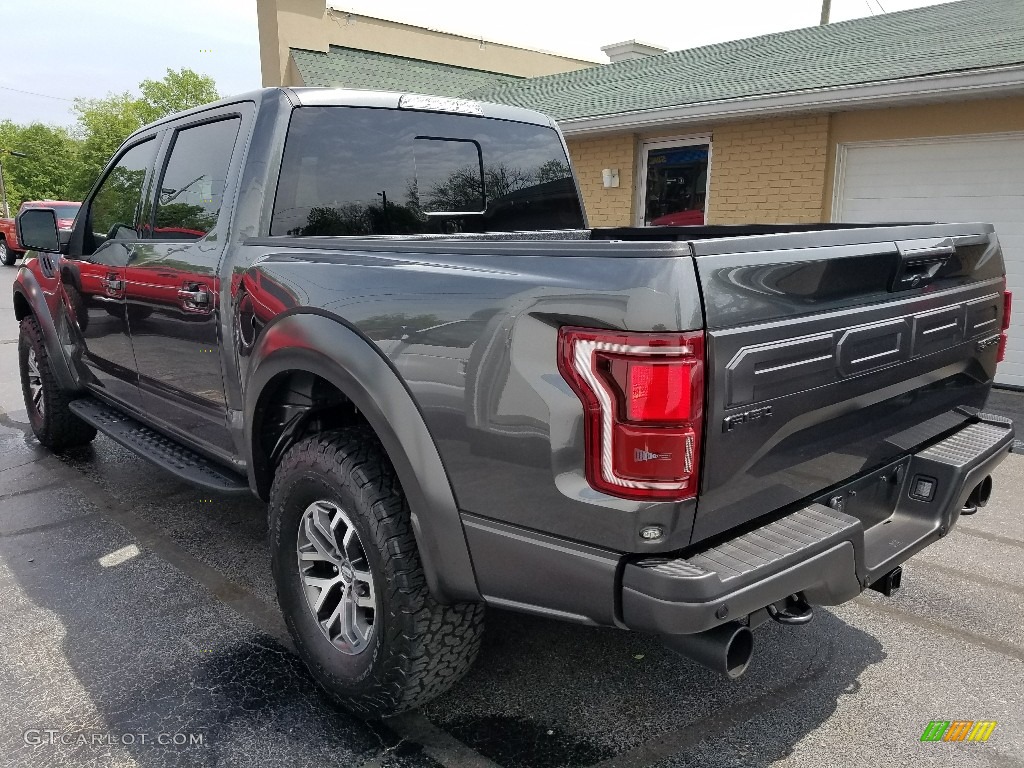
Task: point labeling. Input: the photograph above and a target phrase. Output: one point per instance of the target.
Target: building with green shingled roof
(353, 68)
(915, 115)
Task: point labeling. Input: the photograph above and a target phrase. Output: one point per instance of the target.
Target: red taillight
(642, 395)
(1007, 307)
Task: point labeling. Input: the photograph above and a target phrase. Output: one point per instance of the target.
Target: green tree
(177, 91)
(104, 123)
(51, 156)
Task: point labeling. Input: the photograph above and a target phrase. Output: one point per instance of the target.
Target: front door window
(676, 184)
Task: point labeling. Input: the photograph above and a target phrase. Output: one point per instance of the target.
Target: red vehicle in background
(680, 218)
(10, 248)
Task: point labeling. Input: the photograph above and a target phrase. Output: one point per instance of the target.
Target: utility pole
(826, 10)
(3, 190)
(3, 185)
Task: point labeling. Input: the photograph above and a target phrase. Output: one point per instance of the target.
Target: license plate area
(872, 499)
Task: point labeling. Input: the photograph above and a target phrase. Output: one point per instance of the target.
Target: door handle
(920, 261)
(113, 284)
(199, 297)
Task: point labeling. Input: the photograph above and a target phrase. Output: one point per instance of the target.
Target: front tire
(351, 583)
(53, 422)
(7, 256)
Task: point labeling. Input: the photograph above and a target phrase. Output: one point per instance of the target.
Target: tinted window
(677, 180)
(192, 187)
(114, 208)
(61, 211)
(451, 171)
(358, 171)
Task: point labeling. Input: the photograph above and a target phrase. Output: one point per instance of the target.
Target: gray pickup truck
(384, 315)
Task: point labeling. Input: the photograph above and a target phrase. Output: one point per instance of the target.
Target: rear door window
(361, 171)
(192, 186)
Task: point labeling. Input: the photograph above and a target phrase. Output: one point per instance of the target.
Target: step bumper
(823, 552)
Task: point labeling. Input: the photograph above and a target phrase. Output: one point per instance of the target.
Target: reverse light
(642, 395)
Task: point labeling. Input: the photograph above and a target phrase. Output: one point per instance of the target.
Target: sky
(57, 50)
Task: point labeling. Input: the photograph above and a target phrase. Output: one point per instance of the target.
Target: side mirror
(37, 230)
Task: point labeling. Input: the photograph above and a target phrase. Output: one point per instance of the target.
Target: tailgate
(831, 353)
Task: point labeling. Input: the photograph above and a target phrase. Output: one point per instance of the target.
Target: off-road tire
(7, 256)
(55, 426)
(419, 647)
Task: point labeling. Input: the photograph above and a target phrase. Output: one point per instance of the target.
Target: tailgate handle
(920, 262)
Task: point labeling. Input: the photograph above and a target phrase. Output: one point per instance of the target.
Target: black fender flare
(27, 287)
(326, 346)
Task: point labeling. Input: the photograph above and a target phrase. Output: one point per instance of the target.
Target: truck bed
(820, 366)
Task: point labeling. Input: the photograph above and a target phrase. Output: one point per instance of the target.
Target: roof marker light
(440, 104)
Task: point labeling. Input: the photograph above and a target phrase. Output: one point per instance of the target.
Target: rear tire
(390, 646)
(7, 256)
(53, 422)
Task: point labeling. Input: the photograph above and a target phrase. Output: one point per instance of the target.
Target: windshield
(61, 211)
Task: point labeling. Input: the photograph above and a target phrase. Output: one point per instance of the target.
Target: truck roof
(352, 97)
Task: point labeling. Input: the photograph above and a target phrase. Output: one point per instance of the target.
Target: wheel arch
(323, 345)
(29, 300)
(22, 308)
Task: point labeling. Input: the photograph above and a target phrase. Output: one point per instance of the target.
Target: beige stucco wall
(953, 119)
(611, 207)
(310, 25)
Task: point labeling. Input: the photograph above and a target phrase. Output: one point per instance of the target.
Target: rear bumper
(827, 554)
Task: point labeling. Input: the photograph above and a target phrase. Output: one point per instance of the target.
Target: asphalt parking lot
(138, 627)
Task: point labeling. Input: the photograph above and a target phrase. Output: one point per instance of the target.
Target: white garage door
(966, 178)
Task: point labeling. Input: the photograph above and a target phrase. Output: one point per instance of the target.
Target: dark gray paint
(844, 364)
(448, 347)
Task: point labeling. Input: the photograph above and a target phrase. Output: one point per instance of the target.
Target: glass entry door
(675, 181)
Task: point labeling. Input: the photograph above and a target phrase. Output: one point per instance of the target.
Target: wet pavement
(138, 627)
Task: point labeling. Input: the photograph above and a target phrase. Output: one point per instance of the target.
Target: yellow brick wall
(763, 171)
(769, 171)
(605, 207)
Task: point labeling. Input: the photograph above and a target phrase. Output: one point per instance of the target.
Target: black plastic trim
(27, 286)
(532, 572)
(828, 555)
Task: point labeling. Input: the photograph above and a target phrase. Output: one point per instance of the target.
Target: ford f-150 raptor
(384, 314)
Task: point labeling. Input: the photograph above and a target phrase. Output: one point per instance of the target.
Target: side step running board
(158, 448)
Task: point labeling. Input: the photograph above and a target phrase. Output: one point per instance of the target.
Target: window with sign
(675, 191)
